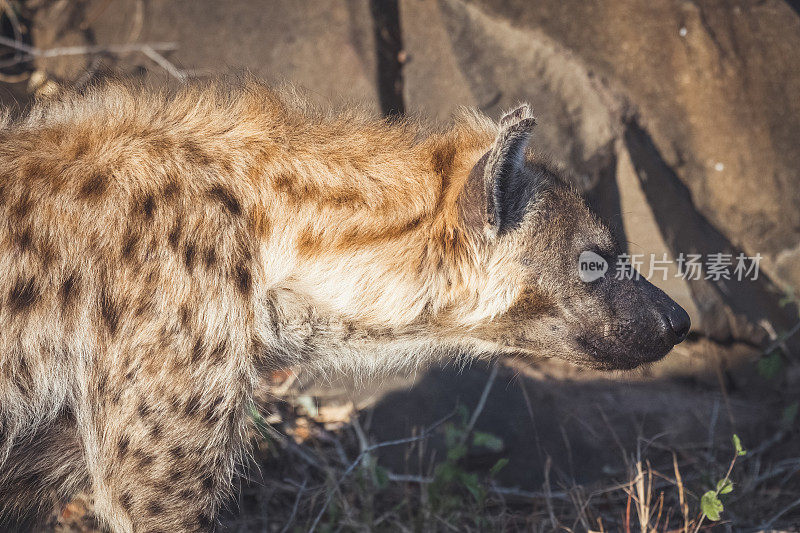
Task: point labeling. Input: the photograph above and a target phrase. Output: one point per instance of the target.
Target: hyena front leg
(165, 446)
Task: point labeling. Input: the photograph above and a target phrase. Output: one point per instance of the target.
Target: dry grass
(318, 475)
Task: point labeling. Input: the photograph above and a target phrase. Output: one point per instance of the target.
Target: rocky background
(679, 120)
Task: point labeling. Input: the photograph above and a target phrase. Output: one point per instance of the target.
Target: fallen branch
(481, 404)
(151, 50)
(34, 52)
(296, 505)
(768, 524)
(164, 63)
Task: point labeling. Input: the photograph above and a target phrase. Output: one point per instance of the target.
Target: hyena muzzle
(158, 250)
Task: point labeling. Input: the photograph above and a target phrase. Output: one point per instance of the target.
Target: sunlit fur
(159, 249)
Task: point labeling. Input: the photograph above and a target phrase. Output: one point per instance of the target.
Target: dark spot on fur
(204, 521)
(145, 459)
(244, 280)
(211, 417)
(143, 409)
(189, 255)
(117, 396)
(46, 251)
(171, 190)
(123, 446)
(23, 206)
(350, 330)
(156, 430)
(207, 482)
(148, 206)
(227, 198)
(175, 476)
(68, 290)
(174, 236)
(23, 295)
(177, 452)
(109, 311)
(129, 245)
(193, 405)
(24, 239)
(126, 501)
(218, 353)
(185, 317)
(195, 153)
(155, 507)
(81, 148)
(210, 257)
(216, 403)
(94, 187)
(197, 351)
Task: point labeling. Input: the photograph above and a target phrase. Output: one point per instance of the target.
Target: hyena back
(158, 250)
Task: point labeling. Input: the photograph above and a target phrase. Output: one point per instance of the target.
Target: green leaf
(724, 486)
(445, 473)
(456, 452)
(452, 434)
(737, 444)
(462, 413)
(470, 481)
(487, 440)
(789, 415)
(381, 477)
(498, 466)
(770, 366)
(711, 506)
(789, 297)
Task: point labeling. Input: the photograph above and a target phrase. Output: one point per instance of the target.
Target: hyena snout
(672, 321)
(643, 325)
(675, 324)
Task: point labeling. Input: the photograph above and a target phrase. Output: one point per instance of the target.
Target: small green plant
(770, 365)
(711, 504)
(449, 476)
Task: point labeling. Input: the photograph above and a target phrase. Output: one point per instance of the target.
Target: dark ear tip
(526, 124)
(522, 112)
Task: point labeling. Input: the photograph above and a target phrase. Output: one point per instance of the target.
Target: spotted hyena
(160, 249)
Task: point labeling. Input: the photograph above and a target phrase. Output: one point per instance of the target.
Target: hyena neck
(292, 331)
(389, 265)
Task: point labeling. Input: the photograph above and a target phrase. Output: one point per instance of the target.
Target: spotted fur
(160, 249)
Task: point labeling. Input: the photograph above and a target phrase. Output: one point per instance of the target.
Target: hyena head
(541, 240)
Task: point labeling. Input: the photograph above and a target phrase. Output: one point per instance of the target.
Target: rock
(325, 49)
(686, 92)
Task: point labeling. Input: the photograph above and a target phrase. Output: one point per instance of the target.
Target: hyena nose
(676, 324)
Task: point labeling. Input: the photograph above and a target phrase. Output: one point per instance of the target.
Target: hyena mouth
(607, 354)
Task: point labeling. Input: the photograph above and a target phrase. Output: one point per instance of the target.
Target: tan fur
(158, 249)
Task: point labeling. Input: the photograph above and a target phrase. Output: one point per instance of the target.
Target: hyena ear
(503, 179)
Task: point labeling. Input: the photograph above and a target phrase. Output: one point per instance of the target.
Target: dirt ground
(521, 446)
